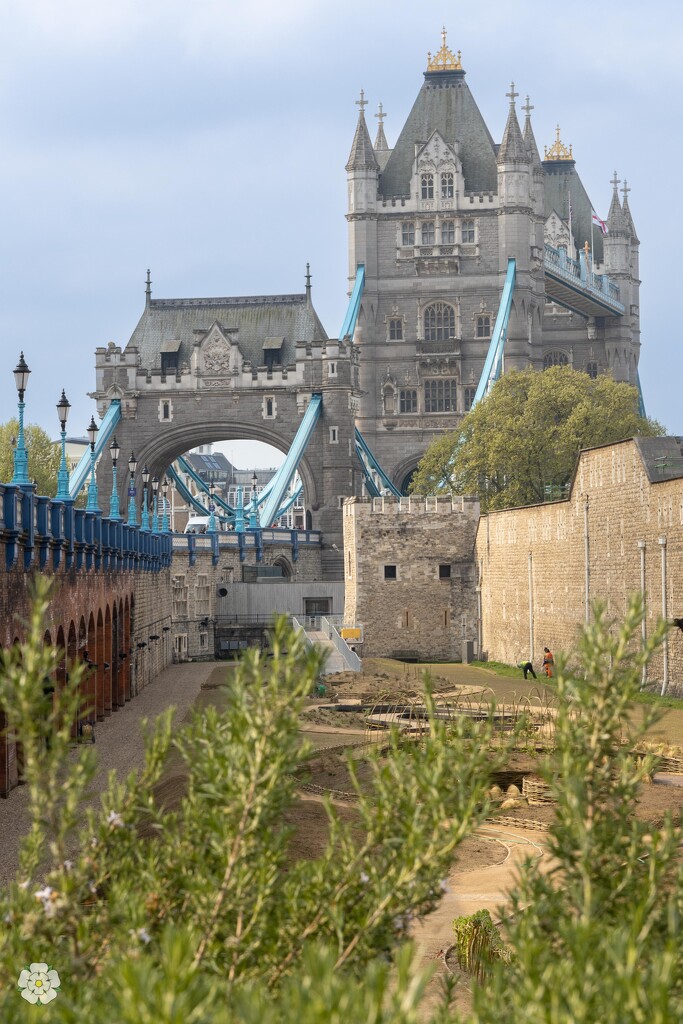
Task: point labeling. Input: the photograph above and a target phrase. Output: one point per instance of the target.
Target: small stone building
(410, 575)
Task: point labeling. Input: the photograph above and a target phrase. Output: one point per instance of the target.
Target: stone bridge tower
(202, 370)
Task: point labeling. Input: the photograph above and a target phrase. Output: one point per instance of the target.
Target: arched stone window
(427, 232)
(592, 370)
(448, 232)
(483, 325)
(427, 186)
(439, 322)
(555, 359)
(447, 185)
(408, 400)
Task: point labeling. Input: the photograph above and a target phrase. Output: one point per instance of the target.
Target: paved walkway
(335, 661)
(119, 745)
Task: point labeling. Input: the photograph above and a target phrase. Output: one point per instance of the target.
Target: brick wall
(113, 616)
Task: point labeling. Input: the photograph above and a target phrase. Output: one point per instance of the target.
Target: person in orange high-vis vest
(548, 662)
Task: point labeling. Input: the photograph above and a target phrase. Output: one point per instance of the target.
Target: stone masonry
(540, 568)
(200, 583)
(410, 575)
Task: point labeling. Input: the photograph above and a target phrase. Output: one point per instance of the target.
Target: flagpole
(569, 200)
(592, 257)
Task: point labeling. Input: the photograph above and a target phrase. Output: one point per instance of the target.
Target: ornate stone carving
(216, 356)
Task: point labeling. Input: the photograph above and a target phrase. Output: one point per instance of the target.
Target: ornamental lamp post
(114, 451)
(93, 430)
(155, 513)
(165, 528)
(239, 512)
(144, 518)
(253, 510)
(63, 406)
(212, 508)
(21, 375)
(132, 513)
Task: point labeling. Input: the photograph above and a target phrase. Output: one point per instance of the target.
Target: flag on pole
(569, 212)
(599, 223)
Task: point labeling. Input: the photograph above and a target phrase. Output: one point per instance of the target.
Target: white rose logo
(39, 984)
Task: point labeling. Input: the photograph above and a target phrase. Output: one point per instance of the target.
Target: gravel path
(119, 745)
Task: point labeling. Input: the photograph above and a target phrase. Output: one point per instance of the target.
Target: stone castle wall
(410, 575)
(537, 564)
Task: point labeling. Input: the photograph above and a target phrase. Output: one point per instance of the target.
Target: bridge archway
(161, 450)
(244, 369)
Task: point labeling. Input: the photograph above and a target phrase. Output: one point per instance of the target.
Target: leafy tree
(526, 436)
(43, 456)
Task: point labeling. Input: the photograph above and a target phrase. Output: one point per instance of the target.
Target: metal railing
(578, 272)
(349, 656)
(298, 627)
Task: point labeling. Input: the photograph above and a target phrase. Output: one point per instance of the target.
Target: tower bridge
(203, 370)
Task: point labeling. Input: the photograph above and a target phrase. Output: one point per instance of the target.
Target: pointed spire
(529, 138)
(362, 155)
(308, 283)
(148, 289)
(626, 212)
(512, 148)
(380, 139)
(615, 217)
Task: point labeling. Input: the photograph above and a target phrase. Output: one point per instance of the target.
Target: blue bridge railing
(42, 533)
(578, 272)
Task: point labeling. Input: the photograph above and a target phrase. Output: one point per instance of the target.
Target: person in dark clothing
(527, 668)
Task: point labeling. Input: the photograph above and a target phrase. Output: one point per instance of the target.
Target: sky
(207, 141)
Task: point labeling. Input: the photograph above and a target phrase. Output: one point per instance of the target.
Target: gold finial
(558, 151)
(586, 251)
(444, 60)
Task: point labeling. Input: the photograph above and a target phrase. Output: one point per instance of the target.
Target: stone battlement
(414, 504)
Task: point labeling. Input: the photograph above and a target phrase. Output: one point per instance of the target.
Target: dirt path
(468, 891)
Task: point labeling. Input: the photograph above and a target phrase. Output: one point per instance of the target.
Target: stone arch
(71, 659)
(101, 658)
(109, 657)
(128, 633)
(161, 450)
(404, 471)
(555, 358)
(89, 708)
(82, 634)
(49, 683)
(118, 657)
(285, 565)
